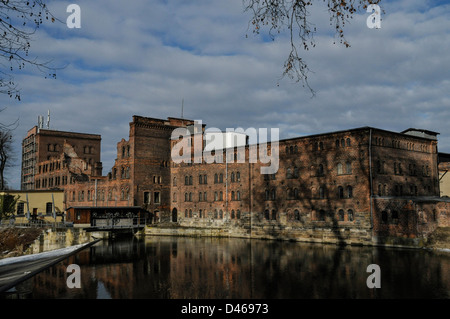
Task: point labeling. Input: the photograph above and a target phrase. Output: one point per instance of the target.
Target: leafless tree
(5, 155)
(293, 15)
(19, 20)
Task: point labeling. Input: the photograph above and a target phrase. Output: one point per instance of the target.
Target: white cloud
(144, 57)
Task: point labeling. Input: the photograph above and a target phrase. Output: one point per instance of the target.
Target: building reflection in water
(204, 268)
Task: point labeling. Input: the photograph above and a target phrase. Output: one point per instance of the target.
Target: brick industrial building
(363, 185)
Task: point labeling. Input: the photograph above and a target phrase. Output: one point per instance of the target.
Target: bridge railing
(118, 223)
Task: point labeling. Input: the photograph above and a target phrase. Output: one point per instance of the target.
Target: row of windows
(398, 169)
(397, 144)
(21, 208)
(156, 197)
(340, 215)
(218, 214)
(54, 181)
(50, 167)
(293, 193)
(319, 146)
(90, 195)
(398, 190)
(124, 173)
(202, 196)
(293, 172)
(203, 179)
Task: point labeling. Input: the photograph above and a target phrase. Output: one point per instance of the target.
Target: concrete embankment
(16, 241)
(439, 240)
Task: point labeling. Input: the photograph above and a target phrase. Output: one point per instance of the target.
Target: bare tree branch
(293, 15)
(19, 20)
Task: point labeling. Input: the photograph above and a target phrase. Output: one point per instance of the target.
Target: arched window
(221, 195)
(339, 169)
(190, 197)
(232, 195)
(186, 198)
(321, 146)
(216, 198)
(221, 178)
(215, 214)
(267, 194)
(273, 194)
(348, 166)
(295, 193)
(341, 215)
(232, 177)
(186, 180)
(321, 215)
(337, 144)
(350, 216)
(321, 192)
(342, 143)
(204, 196)
(220, 214)
(174, 181)
(238, 195)
(320, 170)
(190, 180)
(200, 196)
(186, 213)
(295, 149)
(232, 214)
(289, 173)
(274, 214)
(200, 179)
(349, 192)
(267, 214)
(340, 192)
(291, 149)
(296, 215)
(216, 180)
(190, 213)
(384, 217)
(395, 217)
(348, 142)
(238, 214)
(238, 176)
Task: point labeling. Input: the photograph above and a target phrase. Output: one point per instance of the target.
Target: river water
(206, 268)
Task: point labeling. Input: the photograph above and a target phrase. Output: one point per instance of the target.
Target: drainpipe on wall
(370, 179)
(95, 192)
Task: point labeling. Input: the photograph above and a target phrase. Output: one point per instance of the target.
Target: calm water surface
(167, 267)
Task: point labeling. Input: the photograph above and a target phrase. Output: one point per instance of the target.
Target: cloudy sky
(143, 57)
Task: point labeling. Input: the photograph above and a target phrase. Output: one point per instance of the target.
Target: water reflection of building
(231, 268)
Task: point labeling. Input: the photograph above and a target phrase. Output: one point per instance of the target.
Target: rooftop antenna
(40, 122)
(182, 106)
(48, 119)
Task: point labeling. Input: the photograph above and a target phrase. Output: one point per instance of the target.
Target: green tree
(7, 205)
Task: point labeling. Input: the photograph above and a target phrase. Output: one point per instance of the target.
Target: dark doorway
(174, 215)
